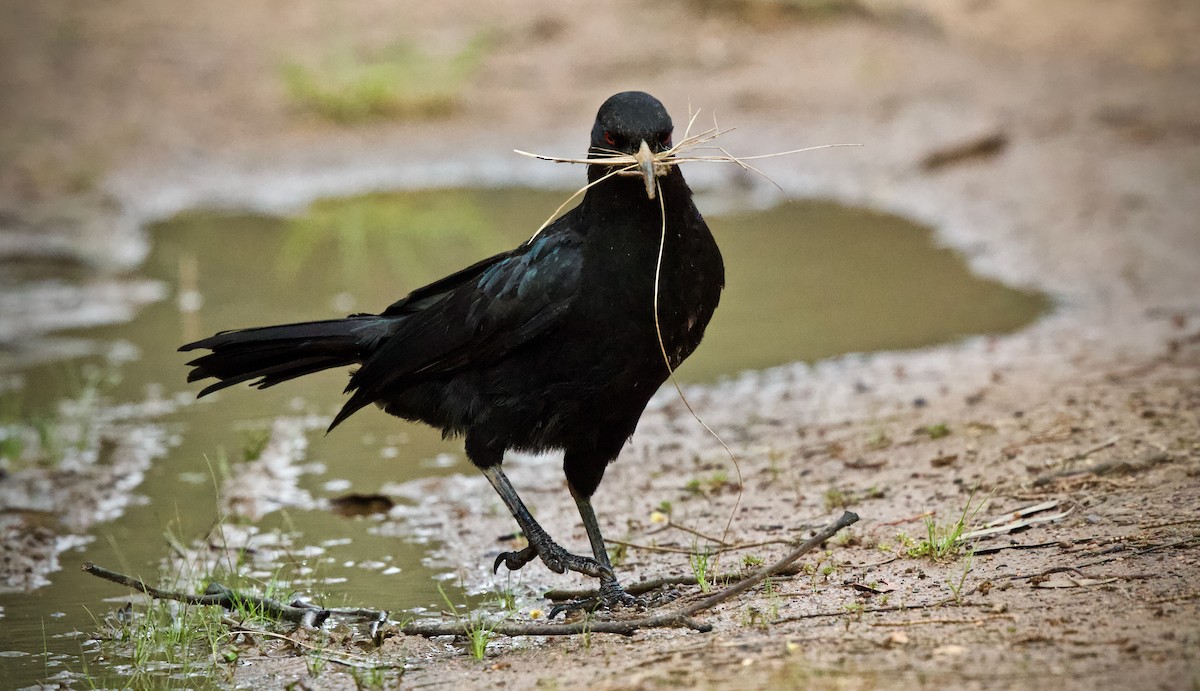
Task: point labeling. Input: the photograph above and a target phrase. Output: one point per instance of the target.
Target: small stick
(697, 533)
(681, 616)
(882, 562)
(1001, 548)
(867, 610)
(1119, 554)
(1012, 527)
(1174, 598)
(650, 584)
(297, 612)
(1111, 467)
(216, 594)
(681, 550)
(1181, 521)
(918, 622)
(303, 613)
(1098, 447)
(1023, 513)
(649, 548)
(346, 659)
(910, 519)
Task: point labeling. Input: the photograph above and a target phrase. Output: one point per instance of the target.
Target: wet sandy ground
(1090, 197)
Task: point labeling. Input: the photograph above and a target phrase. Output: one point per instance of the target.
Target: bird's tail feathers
(273, 354)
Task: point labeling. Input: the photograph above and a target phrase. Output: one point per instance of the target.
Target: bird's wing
(473, 317)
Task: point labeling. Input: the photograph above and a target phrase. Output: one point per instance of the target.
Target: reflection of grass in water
(399, 82)
(164, 644)
(390, 235)
(45, 438)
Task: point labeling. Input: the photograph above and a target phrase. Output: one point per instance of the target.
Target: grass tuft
(701, 562)
(942, 541)
(165, 643)
(398, 83)
(937, 431)
(480, 631)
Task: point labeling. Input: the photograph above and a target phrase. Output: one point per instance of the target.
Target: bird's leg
(611, 593)
(556, 558)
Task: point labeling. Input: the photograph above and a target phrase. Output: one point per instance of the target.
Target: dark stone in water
(361, 504)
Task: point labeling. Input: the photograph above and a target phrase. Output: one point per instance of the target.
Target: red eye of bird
(665, 139)
(608, 137)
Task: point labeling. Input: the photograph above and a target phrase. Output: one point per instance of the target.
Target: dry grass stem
(682, 152)
(662, 244)
(660, 164)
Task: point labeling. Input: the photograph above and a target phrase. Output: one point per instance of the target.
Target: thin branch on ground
(1098, 447)
(872, 610)
(1001, 548)
(920, 622)
(651, 584)
(1118, 552)
(677, 617)
(1173, 598)
(909, 519)
(697, 533)
(870, 564)
(345, 659)
(649, 548)
(296, 612)
(310, 615)
(1119, 467)
(1182, 521)
(681, 550)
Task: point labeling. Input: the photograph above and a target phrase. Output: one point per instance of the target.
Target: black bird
(550, 346)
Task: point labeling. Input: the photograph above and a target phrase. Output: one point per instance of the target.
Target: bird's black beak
(645, 164)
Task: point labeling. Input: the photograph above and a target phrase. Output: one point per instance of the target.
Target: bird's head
(633, 123)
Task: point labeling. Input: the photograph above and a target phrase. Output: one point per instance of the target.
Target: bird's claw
(514, 560)
(610, 596)
(555, 558)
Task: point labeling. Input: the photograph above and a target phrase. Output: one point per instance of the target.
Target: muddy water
(805, 281)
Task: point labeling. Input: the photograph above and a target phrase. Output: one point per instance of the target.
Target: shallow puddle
(805, 281)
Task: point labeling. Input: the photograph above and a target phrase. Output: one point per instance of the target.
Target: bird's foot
(610, 596)
(554, 557)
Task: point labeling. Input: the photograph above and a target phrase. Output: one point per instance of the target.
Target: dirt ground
(1056, 146)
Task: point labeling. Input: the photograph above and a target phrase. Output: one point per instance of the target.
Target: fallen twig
(870, 610)
(310, 615)
(1173, 598)
(345, 659)
(298, 612)
(1185, 542)
(663, 549)
(1014, 526)
(295, 612)
(920, 622)
(909, 519)
(697, 533)
(650, 584)
(870, 564)
(1111, 468)
(1023, 513)
(1001, 548)
(983, 146)
(1093, 449)
(681, 616)
(1119, 552)
(1182, 521)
